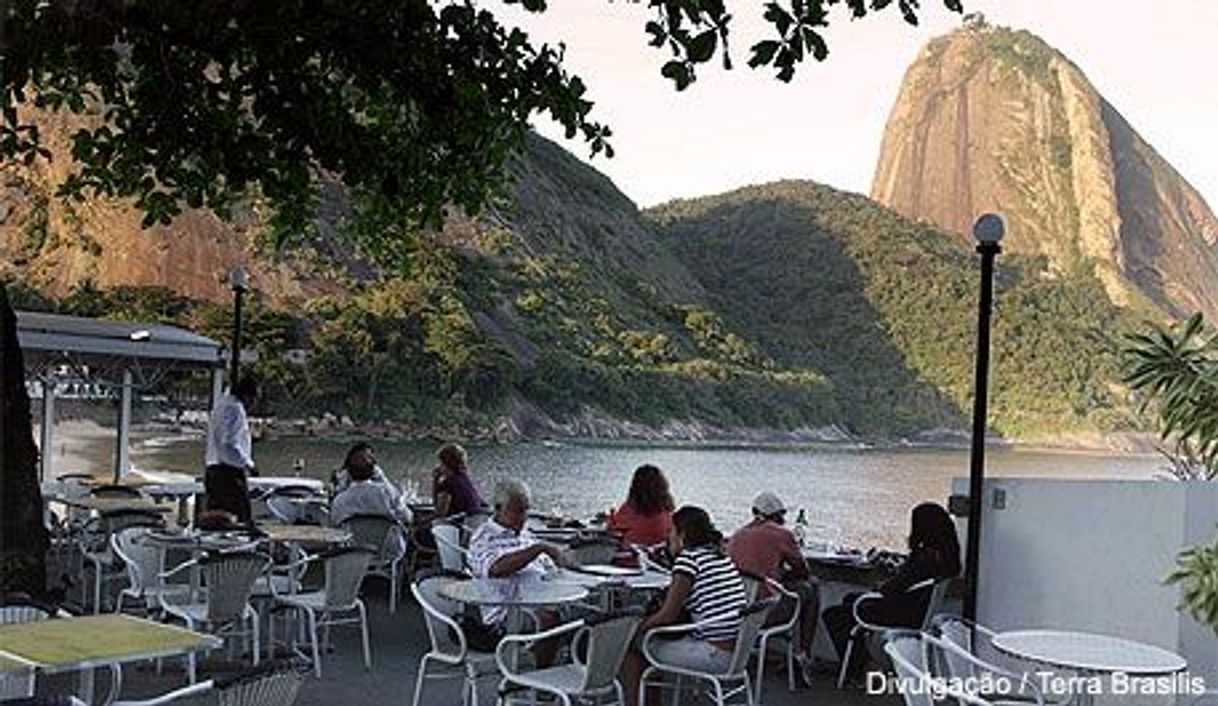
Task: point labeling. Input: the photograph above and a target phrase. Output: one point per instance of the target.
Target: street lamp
(239, 281)
(988, 232)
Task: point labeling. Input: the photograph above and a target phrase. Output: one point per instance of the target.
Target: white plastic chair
(20, 683)
(972, 655)
(380, 533)
(144, 562)
(339, 596)
(450, 656)
(228, 579)
(17, 683)
(453, 556)
(787, 630)
(606, 639)
(734, 680)
(911, 655)
(937, 588)
(96, 548)
(273, 684)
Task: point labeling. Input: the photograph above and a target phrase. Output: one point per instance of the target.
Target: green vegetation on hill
(886, 308)
(781, 306)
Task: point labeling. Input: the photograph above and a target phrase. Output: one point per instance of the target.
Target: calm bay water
(853, 497)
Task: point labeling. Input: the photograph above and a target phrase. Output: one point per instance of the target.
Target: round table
(1088, 653)
(514, 592)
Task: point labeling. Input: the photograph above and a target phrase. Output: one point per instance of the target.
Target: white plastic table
(514, 593)
(1088, 653)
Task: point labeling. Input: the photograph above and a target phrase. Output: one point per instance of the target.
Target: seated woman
(453, 491)
(934, 553)
(646, 516)
(706, 584)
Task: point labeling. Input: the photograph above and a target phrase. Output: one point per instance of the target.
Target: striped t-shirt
(717, 591)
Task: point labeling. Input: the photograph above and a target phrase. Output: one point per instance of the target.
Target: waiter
(229, 454)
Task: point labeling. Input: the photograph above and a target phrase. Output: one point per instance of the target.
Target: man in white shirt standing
(229, 451)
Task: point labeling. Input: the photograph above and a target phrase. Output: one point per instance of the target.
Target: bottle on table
(801, 527)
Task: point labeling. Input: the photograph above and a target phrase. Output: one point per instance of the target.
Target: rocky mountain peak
(990, 118)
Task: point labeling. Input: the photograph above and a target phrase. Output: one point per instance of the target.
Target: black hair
(246, 387)
(649, 492)
(932, 529)
(696, 527)
(356, 471)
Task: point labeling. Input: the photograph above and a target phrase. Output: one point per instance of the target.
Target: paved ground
(398, 641)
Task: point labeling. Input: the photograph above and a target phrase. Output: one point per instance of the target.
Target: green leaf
(679, 72)
(763, 53)
(702, 48)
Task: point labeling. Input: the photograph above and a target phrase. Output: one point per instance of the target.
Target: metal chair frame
(339, 595)
(938, 589)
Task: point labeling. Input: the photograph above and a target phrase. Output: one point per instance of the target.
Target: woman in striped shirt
(706, 584)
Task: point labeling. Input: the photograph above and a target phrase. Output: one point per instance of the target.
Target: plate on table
(833, 557)
(607, 570)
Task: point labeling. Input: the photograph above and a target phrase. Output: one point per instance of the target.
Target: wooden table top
(63, 644)
(111, 504)
(305, 534)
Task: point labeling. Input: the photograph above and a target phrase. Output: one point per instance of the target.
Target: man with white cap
(765, 547)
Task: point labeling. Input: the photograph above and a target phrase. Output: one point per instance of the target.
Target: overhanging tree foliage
(1175, 368)
(413, 105)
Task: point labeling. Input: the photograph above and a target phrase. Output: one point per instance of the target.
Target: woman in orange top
(646, 516)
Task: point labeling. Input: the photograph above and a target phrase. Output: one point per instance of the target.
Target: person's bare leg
(632, 672)
(546, 651)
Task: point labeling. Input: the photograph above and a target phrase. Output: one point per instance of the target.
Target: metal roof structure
(95, 341)
(123, 355)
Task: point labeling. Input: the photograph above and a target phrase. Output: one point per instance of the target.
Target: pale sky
(1154, 61)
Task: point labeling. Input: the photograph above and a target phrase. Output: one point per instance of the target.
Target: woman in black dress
(934, 553)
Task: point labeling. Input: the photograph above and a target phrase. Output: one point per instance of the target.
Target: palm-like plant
(1197, 575)
(1176, 370)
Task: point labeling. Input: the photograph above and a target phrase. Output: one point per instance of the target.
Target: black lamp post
(988, 232)
(239, 281)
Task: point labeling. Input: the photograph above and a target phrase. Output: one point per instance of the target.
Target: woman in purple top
(453, 491)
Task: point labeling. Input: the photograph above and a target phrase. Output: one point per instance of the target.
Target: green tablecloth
(72, 643)
(12, 664)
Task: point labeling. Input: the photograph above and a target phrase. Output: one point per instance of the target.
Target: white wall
(1091, 555)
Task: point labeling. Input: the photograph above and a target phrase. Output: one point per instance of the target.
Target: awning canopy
(120, 354)
(45, 337)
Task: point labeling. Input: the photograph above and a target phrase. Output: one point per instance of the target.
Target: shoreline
(80, 442)
(158, 434)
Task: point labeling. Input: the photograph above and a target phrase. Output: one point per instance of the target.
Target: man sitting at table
(360, 453)
(365, 496)
(764, 547)
(504, 548)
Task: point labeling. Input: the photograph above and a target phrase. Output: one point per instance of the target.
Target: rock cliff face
(54, 244)
(993, 119)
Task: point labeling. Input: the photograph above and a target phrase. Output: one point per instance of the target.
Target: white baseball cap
(767, 503)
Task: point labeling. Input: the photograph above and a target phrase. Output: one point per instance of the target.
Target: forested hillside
(887, 309)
